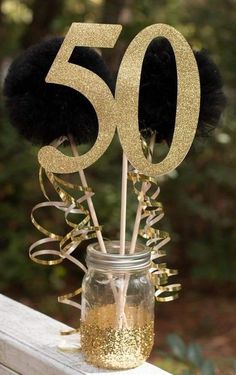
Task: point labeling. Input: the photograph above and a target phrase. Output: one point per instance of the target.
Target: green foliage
(18, 179)
(188, 359)
(194, 354)
(177, 346)
(190, 354)
(234, 365)
(208, 368)
(199, 199)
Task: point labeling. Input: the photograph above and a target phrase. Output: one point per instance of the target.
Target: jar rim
(113, 260)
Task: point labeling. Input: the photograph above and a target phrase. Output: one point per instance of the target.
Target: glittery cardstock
(121, 111)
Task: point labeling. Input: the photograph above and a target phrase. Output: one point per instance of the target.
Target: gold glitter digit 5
(188, 100)
(90, 85)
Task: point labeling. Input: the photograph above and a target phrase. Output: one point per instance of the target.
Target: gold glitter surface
(105, 345)
(91, 86)
(188, 100)
(122, 111)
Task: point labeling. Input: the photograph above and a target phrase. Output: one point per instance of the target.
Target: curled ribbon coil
(66, 244)
(151, 213)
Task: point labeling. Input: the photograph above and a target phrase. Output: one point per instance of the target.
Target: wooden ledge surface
(28, 346)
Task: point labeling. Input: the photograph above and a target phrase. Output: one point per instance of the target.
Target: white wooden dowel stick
(89, 199)
(123, 203)
(135, 231)
(94, 217)
(137, 222)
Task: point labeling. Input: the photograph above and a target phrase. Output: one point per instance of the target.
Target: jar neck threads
(114, 261)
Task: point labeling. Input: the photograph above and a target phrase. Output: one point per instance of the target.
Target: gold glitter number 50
(121, 111)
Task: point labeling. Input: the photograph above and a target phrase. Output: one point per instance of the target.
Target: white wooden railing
(28, 346)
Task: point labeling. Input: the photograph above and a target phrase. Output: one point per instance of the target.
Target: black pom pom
(158, 92)
(43, 112)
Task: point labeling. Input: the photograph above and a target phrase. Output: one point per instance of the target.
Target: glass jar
(117, 315)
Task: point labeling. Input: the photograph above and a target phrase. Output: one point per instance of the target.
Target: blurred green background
(195, 334)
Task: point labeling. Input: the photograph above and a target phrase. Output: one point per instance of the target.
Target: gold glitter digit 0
(89, 84)
(188, 100)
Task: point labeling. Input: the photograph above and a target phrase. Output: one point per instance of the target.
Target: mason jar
(117, 307)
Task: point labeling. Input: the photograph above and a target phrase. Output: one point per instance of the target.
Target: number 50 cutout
(121, 111)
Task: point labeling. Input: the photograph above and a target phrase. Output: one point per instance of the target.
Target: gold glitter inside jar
(117, 316)
(105, 345)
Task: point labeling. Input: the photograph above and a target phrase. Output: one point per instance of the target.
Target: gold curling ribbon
(152, 212)
(68, 243)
